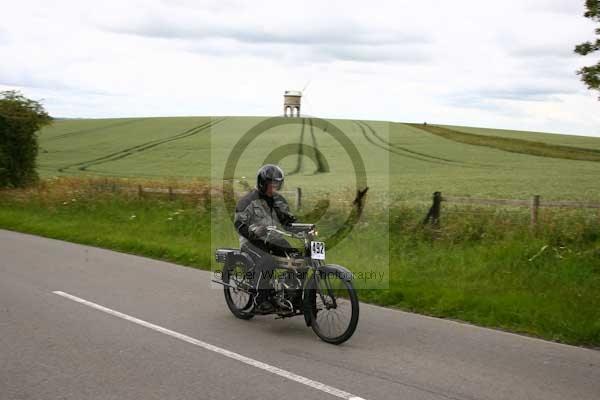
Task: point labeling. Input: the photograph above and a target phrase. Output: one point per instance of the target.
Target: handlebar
(274, 229)
(303, 230)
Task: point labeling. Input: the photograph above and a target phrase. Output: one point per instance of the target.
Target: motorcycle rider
(260, 208)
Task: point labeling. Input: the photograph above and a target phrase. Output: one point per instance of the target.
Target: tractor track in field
(84, 165)
(396, 146)
(300, 150)
(96, 129)
(321, 164)
(403, 151)
(392, 150)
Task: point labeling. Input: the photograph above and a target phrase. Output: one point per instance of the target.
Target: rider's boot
(263, 304)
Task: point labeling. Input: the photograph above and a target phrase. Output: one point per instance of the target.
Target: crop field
(404, 161)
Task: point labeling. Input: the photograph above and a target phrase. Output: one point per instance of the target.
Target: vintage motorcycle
(302, 284)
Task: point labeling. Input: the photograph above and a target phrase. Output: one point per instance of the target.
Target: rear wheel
(236, 275)
(334, 308)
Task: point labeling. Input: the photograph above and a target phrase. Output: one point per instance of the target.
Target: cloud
(525, 93)
(263, 22)
(26, 80)
(3, 37)
(305, 54)
(312, 36)
(564, 7)
(544, 51)
(337, 33)
(507, 100)
(393, 53)
(35, 80)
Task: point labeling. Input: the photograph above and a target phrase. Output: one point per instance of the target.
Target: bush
(20, 119)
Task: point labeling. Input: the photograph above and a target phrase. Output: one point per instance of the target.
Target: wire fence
(535, 203)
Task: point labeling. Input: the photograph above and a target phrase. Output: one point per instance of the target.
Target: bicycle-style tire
(318, 324)
(243, 309)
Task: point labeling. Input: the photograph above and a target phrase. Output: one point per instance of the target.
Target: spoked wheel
(239, 301)
(334, 314)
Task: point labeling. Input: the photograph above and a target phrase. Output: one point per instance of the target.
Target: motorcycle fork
(328, 288)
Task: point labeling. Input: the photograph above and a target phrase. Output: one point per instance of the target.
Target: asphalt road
(127, 327)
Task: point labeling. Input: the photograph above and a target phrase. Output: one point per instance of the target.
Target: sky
(501, 64)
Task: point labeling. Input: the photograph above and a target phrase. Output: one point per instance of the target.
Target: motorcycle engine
(288, 292)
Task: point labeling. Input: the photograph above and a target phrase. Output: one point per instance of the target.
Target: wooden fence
(534, 204)
(296, 193)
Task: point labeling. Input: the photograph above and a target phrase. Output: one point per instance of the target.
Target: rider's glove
(257, 232)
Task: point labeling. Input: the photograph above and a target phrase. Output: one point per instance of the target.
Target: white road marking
(238, 357)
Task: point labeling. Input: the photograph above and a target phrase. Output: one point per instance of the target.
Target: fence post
(437, 207)
(535, 206)
(140, 191)
(298, 198)
(170, 193)
(435, 211)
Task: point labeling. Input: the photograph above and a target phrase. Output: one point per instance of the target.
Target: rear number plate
(317, 250)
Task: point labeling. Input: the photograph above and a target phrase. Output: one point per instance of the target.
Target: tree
(591, 75)
(20, 119)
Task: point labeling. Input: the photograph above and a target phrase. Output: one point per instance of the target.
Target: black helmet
(269, 173)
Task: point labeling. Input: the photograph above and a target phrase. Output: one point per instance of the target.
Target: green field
(403, 161)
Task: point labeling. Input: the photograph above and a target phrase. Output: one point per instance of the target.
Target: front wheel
(333, 305)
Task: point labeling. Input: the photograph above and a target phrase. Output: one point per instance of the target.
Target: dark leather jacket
(255, 211)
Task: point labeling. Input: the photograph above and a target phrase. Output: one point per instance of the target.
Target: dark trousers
(264, 263)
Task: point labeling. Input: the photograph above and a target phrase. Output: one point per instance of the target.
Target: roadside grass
(514, 145)
(74, 210)
(493, 270)
(482, 265)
